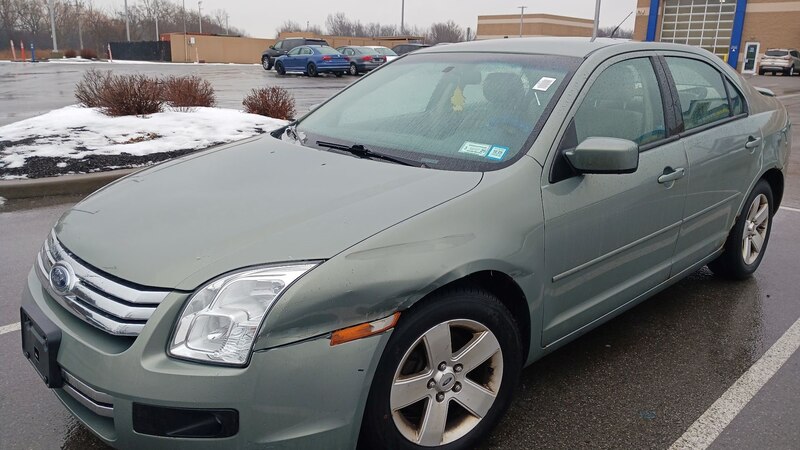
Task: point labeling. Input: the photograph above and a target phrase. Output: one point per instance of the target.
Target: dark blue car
(312, 60)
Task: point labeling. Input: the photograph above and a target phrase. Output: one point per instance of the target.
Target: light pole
(185, 38)
(80, 29)
(596, 20)
(402, 16)
(127, 22)
(53, 25)
(521, 16)
(200, 15)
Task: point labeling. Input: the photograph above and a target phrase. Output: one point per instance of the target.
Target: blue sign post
(736, 33)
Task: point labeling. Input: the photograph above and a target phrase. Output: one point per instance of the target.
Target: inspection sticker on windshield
(544, 83)
(497, 153)
(474, 148)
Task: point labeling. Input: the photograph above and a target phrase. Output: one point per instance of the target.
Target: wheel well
(508, 292)
(775, 179)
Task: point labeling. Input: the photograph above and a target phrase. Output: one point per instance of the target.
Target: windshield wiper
(363, 152)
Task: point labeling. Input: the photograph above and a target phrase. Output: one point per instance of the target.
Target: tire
(338, 74)
(353, 69)
(741, 255)
(266, 63)
(465, 314)
(791, 71)
(311, 70)
(761, 72)
(279, 68)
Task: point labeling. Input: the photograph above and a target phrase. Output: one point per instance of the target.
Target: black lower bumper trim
(185, 422)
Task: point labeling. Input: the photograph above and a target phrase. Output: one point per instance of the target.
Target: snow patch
(75, 132)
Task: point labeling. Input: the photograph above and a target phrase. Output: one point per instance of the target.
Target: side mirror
(604, 155)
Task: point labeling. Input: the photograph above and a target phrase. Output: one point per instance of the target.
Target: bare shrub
(188, 91)
(120, 95)
(273, 101)
(70, 53)
(88, 53)
(90, 91)
(132, 95)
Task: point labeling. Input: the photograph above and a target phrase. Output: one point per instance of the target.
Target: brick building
(508, 26)
(738, 31)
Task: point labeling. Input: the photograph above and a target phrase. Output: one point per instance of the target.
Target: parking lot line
(790, 209)
(708, 427)
(9, 328)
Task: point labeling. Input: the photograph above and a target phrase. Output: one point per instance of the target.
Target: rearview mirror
(604, 155)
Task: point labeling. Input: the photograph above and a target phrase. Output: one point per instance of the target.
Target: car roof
(564, 46)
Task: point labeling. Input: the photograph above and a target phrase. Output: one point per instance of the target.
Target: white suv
(786, 61)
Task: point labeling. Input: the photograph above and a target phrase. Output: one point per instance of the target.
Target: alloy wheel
(756, 227)
(446, 382)
(353, 70)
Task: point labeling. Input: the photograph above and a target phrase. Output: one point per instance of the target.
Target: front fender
(497, 226)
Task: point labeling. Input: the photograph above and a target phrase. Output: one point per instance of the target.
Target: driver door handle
(671, 175)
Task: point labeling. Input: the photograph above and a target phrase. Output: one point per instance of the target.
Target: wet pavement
(28, 89)
(639, 381)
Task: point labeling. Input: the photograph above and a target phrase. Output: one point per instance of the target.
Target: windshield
(452, 111)
(385, 51)
(327, 50)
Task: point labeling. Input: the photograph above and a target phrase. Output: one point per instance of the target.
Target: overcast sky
(260, 18)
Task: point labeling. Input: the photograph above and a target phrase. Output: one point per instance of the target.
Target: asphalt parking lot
(640, 381)
(27, 90)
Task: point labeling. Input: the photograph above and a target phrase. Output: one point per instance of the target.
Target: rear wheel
(761, 72)
(311, 70)
(353, 69)
(747, 241)
(338, 74)
(279, 68)
(266, 63)
(447, 374)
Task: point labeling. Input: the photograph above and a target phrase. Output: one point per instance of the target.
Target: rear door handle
(671, 175)
(752, 142)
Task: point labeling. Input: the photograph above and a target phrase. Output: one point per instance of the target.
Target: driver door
(290, 61)
(609, 238)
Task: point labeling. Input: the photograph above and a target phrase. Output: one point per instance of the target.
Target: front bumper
(303, 395)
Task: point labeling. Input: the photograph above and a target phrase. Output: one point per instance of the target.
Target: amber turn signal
(363, 330)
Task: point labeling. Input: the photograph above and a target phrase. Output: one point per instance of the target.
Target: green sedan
(378, 272)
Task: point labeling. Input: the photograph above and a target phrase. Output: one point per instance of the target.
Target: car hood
(262, 201)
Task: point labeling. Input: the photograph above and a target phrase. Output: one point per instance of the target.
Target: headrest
(503, 88)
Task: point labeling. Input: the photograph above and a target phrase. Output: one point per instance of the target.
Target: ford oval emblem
(62, 277)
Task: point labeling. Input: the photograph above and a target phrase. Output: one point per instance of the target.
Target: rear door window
(700, 90)
(624, 102)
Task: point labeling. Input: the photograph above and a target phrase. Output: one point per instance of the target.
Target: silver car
(783, 60)
(379, 272)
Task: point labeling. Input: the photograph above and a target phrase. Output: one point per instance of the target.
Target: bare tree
(339, 25)
(620, 33)
(445, 32)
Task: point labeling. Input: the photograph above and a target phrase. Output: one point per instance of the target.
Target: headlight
(220, 321)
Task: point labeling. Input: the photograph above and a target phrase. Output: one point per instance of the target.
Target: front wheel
(312, 70)
(447, 374)
(747, 241)
(791, 71)
(279, 68)
(266, 63)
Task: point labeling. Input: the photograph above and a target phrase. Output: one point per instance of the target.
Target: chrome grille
(98, 402)
(109, 305)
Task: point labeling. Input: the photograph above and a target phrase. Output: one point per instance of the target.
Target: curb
(61, 185)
